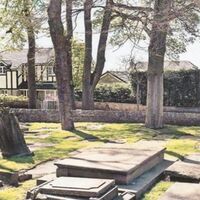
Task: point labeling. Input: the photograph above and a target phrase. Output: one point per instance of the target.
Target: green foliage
(181, 88)
(157, 191)
(15, 17)
(14, 101)
(110, 93)
(78, 60)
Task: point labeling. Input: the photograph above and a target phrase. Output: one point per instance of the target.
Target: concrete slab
(120, 162)
(184, 172)
(78, 187)
(46, 178)
(143, 183)
(193, 158)
(42, 169)
(182, 191)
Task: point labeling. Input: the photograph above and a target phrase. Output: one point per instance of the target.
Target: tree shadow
(177, 155)
(22, 159)
(91, 138)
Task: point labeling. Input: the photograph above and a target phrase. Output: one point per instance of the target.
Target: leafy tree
(22, 21)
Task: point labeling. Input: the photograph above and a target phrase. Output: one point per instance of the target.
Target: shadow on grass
(23, 159)
(90, 137)
(177, 155)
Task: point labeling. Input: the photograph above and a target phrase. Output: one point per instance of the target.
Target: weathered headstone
(119, 162)
(182, 191)
(12, 141)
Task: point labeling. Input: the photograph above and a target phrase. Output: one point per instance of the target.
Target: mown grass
(180, 141)
(157, 191)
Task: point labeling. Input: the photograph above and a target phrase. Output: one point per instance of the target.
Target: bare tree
(90, 79)
(63, 70)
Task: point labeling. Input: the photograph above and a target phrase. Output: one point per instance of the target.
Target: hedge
(119, 93)
(181, 88)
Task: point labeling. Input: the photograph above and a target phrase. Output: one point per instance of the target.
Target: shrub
(181, 88)
(14, 101)
(120, 93)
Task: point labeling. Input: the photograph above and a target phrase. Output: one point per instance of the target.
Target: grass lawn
(54, 143)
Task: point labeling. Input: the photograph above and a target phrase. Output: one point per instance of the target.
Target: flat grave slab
(79, 188)
(182, 191)
(120, 162)
(187, 170)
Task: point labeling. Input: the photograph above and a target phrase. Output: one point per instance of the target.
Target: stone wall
(178, 118)
(133, 107)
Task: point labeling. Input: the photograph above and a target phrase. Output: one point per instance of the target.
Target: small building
(114, 77)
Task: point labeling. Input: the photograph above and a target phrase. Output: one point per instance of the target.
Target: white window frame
(50, 69)
(2, 70)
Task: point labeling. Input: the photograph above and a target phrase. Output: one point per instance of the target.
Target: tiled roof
(43, 55)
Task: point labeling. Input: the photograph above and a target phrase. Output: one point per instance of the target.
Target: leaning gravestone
(12, 141)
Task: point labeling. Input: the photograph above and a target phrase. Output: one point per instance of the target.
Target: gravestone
(119, 162)
(78, 188)
(182, 191)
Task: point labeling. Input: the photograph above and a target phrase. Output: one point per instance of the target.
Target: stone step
(144, 182)
(120, 162)
(182, 191)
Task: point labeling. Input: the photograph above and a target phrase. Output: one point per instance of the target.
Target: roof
(19, 57)
(170, 66)
(121, 75)
(39, 85)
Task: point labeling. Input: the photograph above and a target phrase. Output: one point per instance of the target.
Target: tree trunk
(12, 141)
(32, 97)
(69, 43)
(90, 80)
(62, 69)
(157, 49)
(87, 98)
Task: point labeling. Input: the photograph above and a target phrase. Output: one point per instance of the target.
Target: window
(2, 70)
(50, 71)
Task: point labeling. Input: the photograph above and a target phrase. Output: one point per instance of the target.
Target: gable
(109, 78)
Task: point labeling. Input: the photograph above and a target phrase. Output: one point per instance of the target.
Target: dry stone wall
(177, 118)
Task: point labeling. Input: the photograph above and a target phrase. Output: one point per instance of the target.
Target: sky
(115, 56)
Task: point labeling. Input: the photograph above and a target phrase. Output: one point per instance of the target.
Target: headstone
(182, 191)
(119, 162)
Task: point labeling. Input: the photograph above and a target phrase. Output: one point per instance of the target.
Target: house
(13, 73)
(114, 77)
